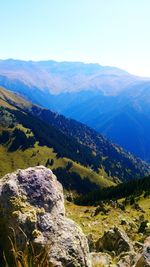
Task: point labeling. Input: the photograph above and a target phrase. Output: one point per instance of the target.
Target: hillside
(133, 221)
(124, 119)
(39, 136)
(27, 141)
(116, 162)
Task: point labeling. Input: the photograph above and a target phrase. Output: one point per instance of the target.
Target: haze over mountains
(66, 76)
(107, 99)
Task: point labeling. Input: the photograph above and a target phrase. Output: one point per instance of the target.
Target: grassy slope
(96, 225)
(10, 161)
(9, 97)
(111, 160)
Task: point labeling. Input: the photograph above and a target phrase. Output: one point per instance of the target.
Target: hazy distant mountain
(108, 99)
(64, 77)
(125, 118)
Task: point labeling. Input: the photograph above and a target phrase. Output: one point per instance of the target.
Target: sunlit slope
(25, 141)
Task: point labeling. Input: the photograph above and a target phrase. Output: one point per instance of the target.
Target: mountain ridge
(58, 77)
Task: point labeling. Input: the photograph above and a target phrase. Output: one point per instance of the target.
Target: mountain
(32, 135)
(115, 161)
(27, 141)
(108, 99)
(124, 119)
(60, 77)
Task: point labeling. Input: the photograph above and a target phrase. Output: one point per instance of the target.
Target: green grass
(27, 131)
(38, 155)
(96, 225)
(99, 179)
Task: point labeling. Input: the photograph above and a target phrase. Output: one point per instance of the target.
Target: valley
(118, 102)
(31, 130)
(106, 188)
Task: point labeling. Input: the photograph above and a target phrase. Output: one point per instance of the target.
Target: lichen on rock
(32, 200)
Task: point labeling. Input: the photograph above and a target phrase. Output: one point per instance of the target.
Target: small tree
(69, 165)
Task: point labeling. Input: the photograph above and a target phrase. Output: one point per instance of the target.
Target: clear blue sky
(110, 32)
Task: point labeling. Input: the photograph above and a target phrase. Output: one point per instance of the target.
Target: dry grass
(27, 257)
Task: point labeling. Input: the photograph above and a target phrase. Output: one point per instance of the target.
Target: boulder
(144, 259)
(100, 259)
(32, 203)
(127, 259)
(100, 208)
(114, 240)
(113, 204)
(125, 262)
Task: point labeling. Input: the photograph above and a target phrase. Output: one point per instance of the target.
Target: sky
(108, 32)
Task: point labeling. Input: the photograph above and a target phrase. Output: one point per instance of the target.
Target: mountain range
(110, 100)
(82, 158)
(62, 77)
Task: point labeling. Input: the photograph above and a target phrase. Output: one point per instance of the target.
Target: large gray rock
(32, 200)
(115, 241)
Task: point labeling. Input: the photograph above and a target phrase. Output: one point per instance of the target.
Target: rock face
(32, 200)
(114, 240)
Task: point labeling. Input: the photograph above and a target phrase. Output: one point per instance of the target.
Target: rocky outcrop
(115, 241)
(32, 200)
